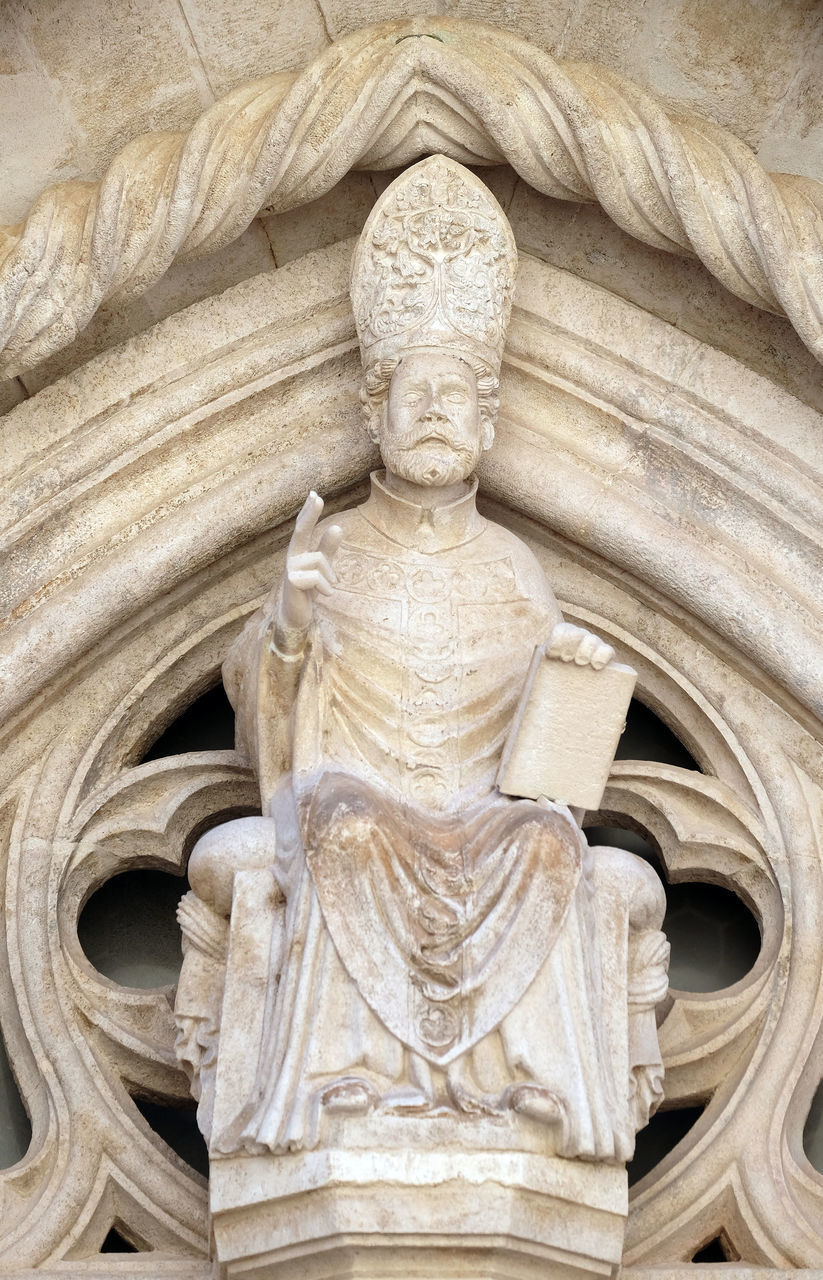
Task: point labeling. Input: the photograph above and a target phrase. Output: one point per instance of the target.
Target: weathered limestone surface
(283, 141)
(93, 76)
(417, 1011)
(261, 385)
(581, 239)
(659, 452)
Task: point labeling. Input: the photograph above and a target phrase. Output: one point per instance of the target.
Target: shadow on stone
(116, 1243)
(714, 1251)
(646, 737)
(206, 725)
(15, 1128)
(813, 1131)
(128, 928)
(660, 1136)
(177, 1126)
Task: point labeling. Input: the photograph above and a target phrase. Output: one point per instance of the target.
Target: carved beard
(434, 452)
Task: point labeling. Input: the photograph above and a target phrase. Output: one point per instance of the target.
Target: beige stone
(734, 62)
(246, 39)
(582, 240)
(609, 396)
(139, 53)
(332, 217)
(183, 284)
(401, 934)
(768, 252)
(658, 451)
(480, 1217)
(767, 58)
(565, 732)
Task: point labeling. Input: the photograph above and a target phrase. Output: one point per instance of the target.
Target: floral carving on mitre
(435, 266)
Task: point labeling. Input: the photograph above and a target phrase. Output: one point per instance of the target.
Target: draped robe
(435, 939)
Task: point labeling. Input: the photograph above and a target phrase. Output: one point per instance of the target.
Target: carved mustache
(433, 427)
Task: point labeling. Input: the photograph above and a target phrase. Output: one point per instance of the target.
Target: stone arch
(664, 463)
(150, 495)
(378, 99)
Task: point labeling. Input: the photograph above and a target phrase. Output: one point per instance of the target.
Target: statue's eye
(457, 397)
(410, 397)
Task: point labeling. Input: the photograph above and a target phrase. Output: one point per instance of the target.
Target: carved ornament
(378, 99)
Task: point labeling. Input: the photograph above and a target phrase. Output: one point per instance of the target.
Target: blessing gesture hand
(307, 571)
(575, 644)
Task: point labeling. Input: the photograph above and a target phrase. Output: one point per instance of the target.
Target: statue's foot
(351, 1096)
(536, 1102)
(405, 1098)
(469, 1104)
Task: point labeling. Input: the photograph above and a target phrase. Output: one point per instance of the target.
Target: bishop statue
(438, 948)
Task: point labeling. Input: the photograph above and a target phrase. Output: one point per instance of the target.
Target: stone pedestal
(398, 1214)
(389, 1195)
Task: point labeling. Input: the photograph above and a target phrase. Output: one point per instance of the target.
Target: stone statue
(434, 948)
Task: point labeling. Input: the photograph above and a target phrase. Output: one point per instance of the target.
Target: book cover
(565, 732)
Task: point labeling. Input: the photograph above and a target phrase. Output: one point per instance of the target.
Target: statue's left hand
(575, 644)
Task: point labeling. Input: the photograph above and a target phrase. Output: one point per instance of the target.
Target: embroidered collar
(418, 527)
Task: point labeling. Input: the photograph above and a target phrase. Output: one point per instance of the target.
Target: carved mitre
(435, 267)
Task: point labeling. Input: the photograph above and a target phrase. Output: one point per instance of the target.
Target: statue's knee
(241, 845)
(621, 874)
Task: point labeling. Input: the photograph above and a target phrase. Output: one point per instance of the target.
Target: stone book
(564, 735)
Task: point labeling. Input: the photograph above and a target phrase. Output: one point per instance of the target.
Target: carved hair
(377, 380)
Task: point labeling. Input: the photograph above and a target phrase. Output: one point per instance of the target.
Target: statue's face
(431, 433)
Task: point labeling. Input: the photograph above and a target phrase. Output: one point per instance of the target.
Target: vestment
(437, 940)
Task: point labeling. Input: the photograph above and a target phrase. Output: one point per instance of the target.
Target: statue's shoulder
(348, 520)
(502, 542)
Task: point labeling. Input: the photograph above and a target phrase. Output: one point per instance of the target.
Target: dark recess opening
(660, 1136)
(128, 928)
(206, 725)
(176, 1124)
(115, 1243)
(15, 1126)
(646, 737)
(712, 1252)
(813, 1131)
(714, 938)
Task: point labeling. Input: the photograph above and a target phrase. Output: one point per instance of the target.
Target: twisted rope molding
(377, 99)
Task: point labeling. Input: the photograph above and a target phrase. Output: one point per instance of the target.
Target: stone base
(354, 1258)
(399, 1215)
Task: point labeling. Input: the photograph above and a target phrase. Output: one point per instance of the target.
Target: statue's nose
(433, 405)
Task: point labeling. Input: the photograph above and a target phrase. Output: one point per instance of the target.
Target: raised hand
(307, 570)
(575, 644)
